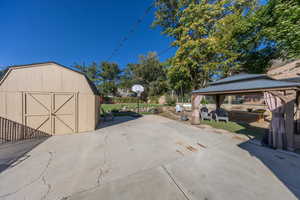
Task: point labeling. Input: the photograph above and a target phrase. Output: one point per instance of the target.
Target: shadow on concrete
(12, 154)
(119, 118)
(284, 165)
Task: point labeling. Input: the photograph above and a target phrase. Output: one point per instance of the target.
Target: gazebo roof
(246, 83)
(240, 77)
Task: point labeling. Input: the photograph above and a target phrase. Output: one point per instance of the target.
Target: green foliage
(110, 76)
(225, 37)
(148, 72)
(92, 71)
(204, 34)
(110, 71)
(108, 88)
(154, 99)
(106, 76)
(125, 100)
(204, 101)
(179, 80)
(170, 101)
(280, 22)
(110, 107)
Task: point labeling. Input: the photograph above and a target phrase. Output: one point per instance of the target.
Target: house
(49, 97)
(289, 70)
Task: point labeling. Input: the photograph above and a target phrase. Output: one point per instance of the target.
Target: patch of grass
(239, 128)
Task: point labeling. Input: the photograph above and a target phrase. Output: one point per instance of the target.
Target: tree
(106, 76)
(148, 72)
(168, 13)
(245, 34)
(204, 34)
(110, 77)
(92, 71)
(179, 80)
(280, 24)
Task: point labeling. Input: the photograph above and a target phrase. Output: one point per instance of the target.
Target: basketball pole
(138, 96)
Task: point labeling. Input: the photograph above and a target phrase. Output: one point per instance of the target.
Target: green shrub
(170, 101)
(126, 100)
(204, 101)
(107, 100)
(154, 99)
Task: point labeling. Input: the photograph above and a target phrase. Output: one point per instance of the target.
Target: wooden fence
(11, 131)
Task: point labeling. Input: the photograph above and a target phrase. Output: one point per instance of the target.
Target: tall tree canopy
(110, 77)
(204, 34)
(106, 76)
(92, 71)
(230, 35)
(280, 23)
(268, 32)
(148, 72)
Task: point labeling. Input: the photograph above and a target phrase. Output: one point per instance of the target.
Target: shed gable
(45, 77)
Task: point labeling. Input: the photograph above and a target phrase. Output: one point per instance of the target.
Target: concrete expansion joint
(174, 181)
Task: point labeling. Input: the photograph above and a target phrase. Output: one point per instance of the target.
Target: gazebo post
(196, 100)
(219, 99)
(218, 103)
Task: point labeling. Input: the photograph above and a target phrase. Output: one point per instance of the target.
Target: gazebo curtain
(277, 136)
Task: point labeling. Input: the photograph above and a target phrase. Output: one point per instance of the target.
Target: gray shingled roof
(240, 77)
(254, 85)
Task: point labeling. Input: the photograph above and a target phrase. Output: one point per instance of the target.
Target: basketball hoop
(138, 89)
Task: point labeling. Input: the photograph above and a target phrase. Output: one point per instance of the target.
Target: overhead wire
(131, 31)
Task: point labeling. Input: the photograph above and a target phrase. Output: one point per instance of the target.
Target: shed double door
(51, 112)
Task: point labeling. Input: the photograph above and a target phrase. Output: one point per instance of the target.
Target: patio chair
(220, 114)
(178, 108)
(204, 114)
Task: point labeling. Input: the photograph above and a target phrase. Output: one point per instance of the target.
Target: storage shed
(49, 97)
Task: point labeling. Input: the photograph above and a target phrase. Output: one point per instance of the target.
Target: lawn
(239, 128)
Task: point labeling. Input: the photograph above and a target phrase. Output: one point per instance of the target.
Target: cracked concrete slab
(136, 186)
(150, 158)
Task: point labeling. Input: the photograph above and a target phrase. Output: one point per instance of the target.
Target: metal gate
(51, 112)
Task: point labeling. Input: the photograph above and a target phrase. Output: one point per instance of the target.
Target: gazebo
(281, 98)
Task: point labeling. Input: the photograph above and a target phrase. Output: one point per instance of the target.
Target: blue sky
(69, 31)
(76, 31)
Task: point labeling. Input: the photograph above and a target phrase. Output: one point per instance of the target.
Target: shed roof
(245, 83)
(91, 84)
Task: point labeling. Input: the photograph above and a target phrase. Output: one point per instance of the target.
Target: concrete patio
(152, 158)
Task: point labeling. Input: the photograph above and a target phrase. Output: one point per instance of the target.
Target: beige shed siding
(49, 78)
(11, 106)
(86, 110)
(44, 78)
